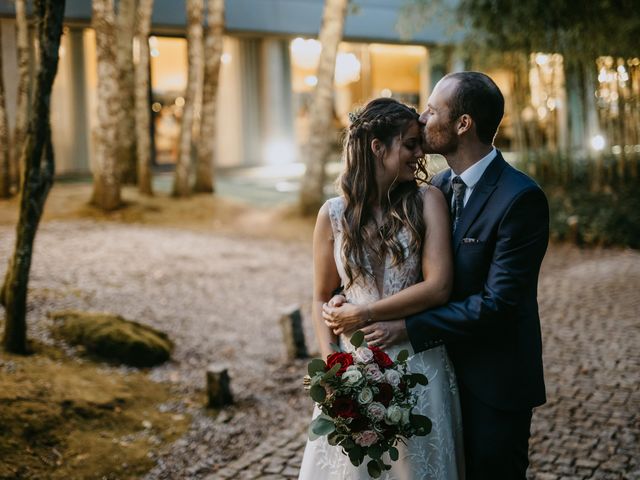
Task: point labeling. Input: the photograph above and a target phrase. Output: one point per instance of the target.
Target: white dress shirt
(472, 175)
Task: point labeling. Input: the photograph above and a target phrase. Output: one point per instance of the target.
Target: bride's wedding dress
(439, 455)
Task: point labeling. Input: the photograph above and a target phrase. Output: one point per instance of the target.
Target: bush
(113, 338)
(610, 217)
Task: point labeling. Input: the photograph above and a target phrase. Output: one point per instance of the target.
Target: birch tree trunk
(125, 28)
(181, 187)
(106, 183)
(205, 180)
(320, 116)
(38, 163)
(142, 103)
(5, 146)
(24, 89)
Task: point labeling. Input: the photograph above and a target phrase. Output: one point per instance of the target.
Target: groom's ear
(465, 122)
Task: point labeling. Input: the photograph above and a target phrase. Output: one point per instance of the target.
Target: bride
(387, 242)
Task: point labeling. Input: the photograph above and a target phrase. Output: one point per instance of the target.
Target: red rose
(381, 358)
(385, 395)
(344, 359)
(344, 407)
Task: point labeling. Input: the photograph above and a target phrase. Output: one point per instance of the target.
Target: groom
(500, 230)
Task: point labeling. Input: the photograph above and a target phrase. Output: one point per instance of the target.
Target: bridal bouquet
(366, 401)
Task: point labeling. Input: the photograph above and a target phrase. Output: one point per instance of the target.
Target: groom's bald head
(479, 97)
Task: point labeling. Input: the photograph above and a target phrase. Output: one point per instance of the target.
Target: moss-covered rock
(113, 337)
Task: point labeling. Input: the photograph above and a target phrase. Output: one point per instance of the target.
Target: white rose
(393, 415)
(376, 411)
(364, 355)
(352, 376)
(365, 396)
(366, 438)
(373, 373)
(393, 377)
(406, 416)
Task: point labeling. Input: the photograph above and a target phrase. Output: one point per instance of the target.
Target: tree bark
(24, 89)
(320, 116)
(5, 146)
(106, 183)
(181, 187)
(205, 179)
(38, 170)
(125, 28)
(142, 103)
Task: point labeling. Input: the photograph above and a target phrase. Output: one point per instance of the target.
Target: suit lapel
(481, 193)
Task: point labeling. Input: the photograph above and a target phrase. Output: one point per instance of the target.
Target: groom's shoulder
(439, 178)
(516, 181)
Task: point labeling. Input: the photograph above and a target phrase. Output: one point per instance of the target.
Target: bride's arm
(437, 272)
(325, 278)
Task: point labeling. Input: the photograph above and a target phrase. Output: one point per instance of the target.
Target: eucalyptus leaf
(421, 422)
(316, 365)
(394, 454)
(403, 356)
(357, 338)
(419, 378)
(322, 425)
(331, 373)
(318, 393)
(374, 469)
(375, 451)
(335, 347)
(356, 455)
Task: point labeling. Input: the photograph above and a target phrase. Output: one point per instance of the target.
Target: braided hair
(384, 119)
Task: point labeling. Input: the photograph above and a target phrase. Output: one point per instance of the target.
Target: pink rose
(373, 373)
(366, 438)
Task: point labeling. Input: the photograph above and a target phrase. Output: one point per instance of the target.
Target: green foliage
(316, 366)
(609, 217)
(318, 393)
(113, 338)
(555, 26)
(357, 339)
(322, 425)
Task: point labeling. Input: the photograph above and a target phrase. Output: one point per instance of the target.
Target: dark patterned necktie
(458, 187)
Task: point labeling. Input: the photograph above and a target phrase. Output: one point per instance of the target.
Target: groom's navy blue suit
(491, 325)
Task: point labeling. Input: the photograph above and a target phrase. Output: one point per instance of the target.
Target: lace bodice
(365, 289)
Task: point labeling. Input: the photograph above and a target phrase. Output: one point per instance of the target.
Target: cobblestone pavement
(590, 426)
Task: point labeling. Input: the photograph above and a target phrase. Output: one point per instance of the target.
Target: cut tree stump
(218, 387)
(292, 333)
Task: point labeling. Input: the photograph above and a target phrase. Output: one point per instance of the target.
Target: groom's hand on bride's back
(385, 334)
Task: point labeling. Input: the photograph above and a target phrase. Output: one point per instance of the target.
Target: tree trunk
(205, 180)
(142, 104)
(38, 170)
(125, 28)
(106, 183)
(181, 187)
(321, 113)
(24, 89)
(5, 146)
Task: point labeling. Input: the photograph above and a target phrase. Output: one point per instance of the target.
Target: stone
(112, 337)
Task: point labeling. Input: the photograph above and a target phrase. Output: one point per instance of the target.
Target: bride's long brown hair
(384, 119)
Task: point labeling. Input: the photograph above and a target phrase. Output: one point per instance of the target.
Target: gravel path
(219, 297)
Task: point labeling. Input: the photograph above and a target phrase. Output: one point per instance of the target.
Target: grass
(63, 418)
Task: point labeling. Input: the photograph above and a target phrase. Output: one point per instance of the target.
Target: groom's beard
(440, 139)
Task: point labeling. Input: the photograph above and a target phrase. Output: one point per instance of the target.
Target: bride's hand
(385, 334)
(345, 318)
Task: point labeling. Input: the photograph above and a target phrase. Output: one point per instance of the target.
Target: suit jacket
(491, 325)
